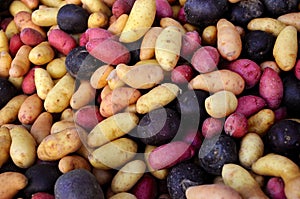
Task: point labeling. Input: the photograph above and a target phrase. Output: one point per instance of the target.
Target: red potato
(193, 137)
(4, 23)
(181, 16)
(15, 43)
(211, 127)
(236, 125)
(191, 41)
(182, 74)
(145, 188)
(248, 69)
(250, 104)
(271, 88)
(280, 113)
(28, 84)
(122, 7)
(206, 59)
(42, 195)
(275, 188)
(297, 69)
(98, 33)
(163, 9)
(31, 37)
(61, 41)
(88, 117)
(83, 39)
(109, 51)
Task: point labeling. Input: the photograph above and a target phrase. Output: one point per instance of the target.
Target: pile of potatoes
(81, 80)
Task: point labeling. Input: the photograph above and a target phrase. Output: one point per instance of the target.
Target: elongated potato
(11, 183)
(117, 27)
(113, 81)
(267, 24)
(83, 95)
(96, 6)
(147, 50)
(218, 80)
(23, 147)
(20, 64)
(113, 154)
(128, 176)
(30, 109)
(59, 96)
(140, 19)
(3, 42)
(32, 4)
(261, 121)
(286, 48)
(168, 21)
(9, 112)
(52, 3)
(71, 162)
(43, 82)
(292, 19)
(41, 126)
(61, 125)
(5, 63)
(159, 96)
(5, 141)
(123, 195)
(18, 6)
(168, 46)
(57, 67)
(142, 76)
(57, 145)
(46, 16)
(41, 54)
(99, 78)
(111, 128)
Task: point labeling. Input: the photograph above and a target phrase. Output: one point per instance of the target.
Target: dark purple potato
(276, 8)
(182, 176)
(217, 151)
(7, 91)
(291, 95)
(158, 126)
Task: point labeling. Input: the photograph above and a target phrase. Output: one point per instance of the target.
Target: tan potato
(139, 21)
(99, 78)
(113, 154)
(11, 183)
(103, 176)
(142, 76)
(252, 148)
(157, 97)
(41, 127)
(61, 126)
(261, 121)
(83, 95)
(52, 3)
(5, 63)
(270, 64)
(23, 147)
(57, 145)
(123, 195)
(30, 109)
(20, 64)
(96, 6)
(168, 21)
(71, 162)
(59, 96)
(209, 35)
(105, 91)
(31, 4)
(242, 181)
(57, 67)
(5, 142)
(267, 24)
(128, 176)
(41, 54)
(9, 113)
(45, 17)
(11, 29)
(168, 47)
(221, 104)
(285, 49)
(43, 82)
(291, 19)
(67, 114)
(114, 81)
(16, 81)
(147, 50)
(217, 81)
(97, 20)
(112, 128)
(4, 46)
(117, 26)
(18, 6)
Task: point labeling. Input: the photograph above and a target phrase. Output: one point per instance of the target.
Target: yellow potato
(5, 142)
(41, 126)
(168, 47)
(62, 125)
(147, 50)
(261, 121)
(128, 176)
(11, 183)
(45, 16)
(43, 82)
(67, 114)
(18, 6)
(57, 145)
(59, 96)
(9, 113)
(168, 21)
(57, 67)
(5, 62)
(117, 26)
(71, 162)
(269, 25)
(140, 19)
(20, 64)
(96, 6)
(32, 4)
(41, 54)
(4, 46)
(16, 81)
(23, 147)
(157, 97)
(292, 19)
(83, 95)
(11, 29)
(30, 109)
(113, 81)
(52, 3)
(123, 195)
(112, 128)
(209, 35)
(285, 49)
(97, 20)
(99, 78)
(221, 104)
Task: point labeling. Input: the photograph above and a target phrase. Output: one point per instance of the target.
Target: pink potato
(28, 84)
(206, 59)
(248, 69)
(211, 127)
(88, 116)
(250, 104)
(15, 43)
(163, 9)
(271, 88)
(31, 37)
(191, 41)
(297, 69)
(193, 137)
(61, 41)
(145, 188)
(181, 16)
(236, 125)
(280, 113)
(42, 195)
(275, 188)
(108, 51)
(182, 74)
(122, 7)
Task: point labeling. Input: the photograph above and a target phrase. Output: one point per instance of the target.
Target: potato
(57, 68)
(23, 147)
(30, 109)
(18, 6)
(20, 64)
(140, 19)
(217, 191)
(269, 25)
(241, 180)
(159, 96)
(250, 104)
(229, 42)
(286, 48)
(218, 80)
(290, 19)
(97, 19)
(103, 176)
(113, 81)
(3, 42)
(61, 125)
(31, 37)
(168, 46)
(11, 29)
(41, 127)
(57, 145)
(53, 3)
(41, 54)
(88, 117)
(205, 59)
(261, 121)
(61, 41)
(32, 4)
(5, 141)
(113, 154)
(123, 195)
(168, 21)
(147, 49)
(11, 183)
(142, 76)
(221, 104)
(128, 176)
(270, 64)
(45, 16)
(59, 96)
(111, 128)
(146, 181)
(236, 125)
(5, 63)
(99, 78)
(209, 35)
(83, 95)
(71, 162)
(117, 27)
(43, 82)
(96, 6)
(252, 148)
(9, 113)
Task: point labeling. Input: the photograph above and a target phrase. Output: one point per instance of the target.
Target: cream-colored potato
(147, 50)
(45, 16)
(43, 82)
(267, 24)
(11, 183)
(57, 67)
(5, 142)
(261, 121)
(99, 78)
(41, 54)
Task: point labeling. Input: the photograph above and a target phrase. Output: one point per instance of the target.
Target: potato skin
(5, 141)
(11, 183)
(30, 109)
(57, 38)
(250, 104)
